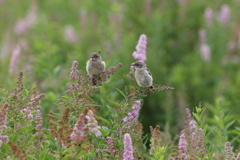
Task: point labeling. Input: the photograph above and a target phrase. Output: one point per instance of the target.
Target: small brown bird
(142, 75)
(95, 67)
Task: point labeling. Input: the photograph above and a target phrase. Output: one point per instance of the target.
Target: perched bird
(142, 75)
(95, 67)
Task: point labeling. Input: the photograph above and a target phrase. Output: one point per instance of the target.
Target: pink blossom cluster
(202, 36)
(204, 47)
(74, 73)
(38, 120)
(229, 155)
(39, 123)
(209, 16)
(28, 113)
(191, 140)
(128, 149)
(36, 100)
(13, 62)
(110, 146)
(73, 87)
(3, 121)
(70, 34)
(132, 116)
(140, 53)
(200, 141)
(93, 124)
(24, 24)
(228, 151)
(205, 52)
(79, 129)
(182, 147)
(224, 15)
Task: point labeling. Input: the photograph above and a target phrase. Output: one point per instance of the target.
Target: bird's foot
(149, 89)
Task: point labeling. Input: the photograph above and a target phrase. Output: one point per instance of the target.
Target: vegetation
(52, 111)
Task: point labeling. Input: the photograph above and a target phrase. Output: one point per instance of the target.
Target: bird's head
(139, 65)
(95, 56)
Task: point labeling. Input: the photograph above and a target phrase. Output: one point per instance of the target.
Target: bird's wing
(104, 65)
(149, 72)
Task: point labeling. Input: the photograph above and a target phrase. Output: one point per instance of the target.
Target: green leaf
(110, 109)
(25, 129)
(229, 124)
(237, 128)
(121, 92)
(92, 105)
(220, 122)
(103, 119)
(66, 156)
(115, 103)
(104, 133)
(26, 91)
(13, 138)
(197, 117)
(51, 139)
(198, 109)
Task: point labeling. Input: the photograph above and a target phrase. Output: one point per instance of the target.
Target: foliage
(78, 132)
(192, 46)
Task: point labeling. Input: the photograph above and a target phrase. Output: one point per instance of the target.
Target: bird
(95, 66)
(142, 75)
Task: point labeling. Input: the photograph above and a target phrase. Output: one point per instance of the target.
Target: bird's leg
(140, 90)
(94, 81)
(99, 80)
(149, 89)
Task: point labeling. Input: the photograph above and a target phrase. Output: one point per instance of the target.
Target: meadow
(49, 108)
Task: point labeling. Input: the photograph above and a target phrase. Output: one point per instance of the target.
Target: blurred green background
(193, 46)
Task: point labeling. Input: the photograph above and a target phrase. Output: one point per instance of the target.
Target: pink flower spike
(13, 62)
(224, 15)
(238, 156)
(205, 52)
(70, 34)
(30, 116)
(4, 138)
(128, 151)
(21, 26)
(74, 73)
(79, 129)
(208, 16)
(133, 115)
(182, 146)
(202, 36)
(140, 53)
(93, 124)
(3, 117)
(38, 122)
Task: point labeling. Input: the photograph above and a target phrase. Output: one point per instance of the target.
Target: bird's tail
(96, 80)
